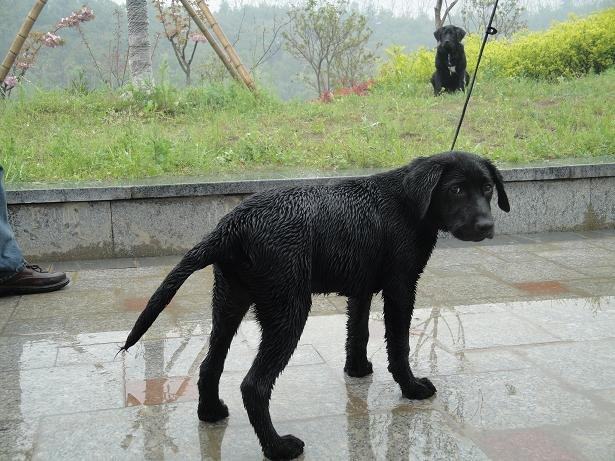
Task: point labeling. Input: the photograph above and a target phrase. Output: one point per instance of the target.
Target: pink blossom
(10, 82)
(85, 14)
(196, 37)
(77, 17)
(52, 40)
(23, 65)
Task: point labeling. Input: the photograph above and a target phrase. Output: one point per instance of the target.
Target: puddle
(156, 391)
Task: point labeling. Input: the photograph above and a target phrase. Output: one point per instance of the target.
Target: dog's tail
(199, 257)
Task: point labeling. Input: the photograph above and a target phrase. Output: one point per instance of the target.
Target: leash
(488, 31)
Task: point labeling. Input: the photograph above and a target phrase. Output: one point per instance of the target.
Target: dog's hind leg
(230, 303)
(357, 364)
(281, 326)
(398, 306)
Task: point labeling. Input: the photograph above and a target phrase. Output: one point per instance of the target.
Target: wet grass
(60, 136)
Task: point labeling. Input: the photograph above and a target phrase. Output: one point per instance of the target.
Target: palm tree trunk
(139, 52)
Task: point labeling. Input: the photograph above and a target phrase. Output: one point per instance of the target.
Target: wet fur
(450, 52)
(355, 238)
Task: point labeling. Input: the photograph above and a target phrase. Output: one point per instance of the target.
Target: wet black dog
(450, 74)
(355, 238)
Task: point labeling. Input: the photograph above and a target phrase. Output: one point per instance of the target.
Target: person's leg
(16, 276)
(11, 258)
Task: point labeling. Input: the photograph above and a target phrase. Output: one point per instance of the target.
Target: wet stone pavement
(517, 333)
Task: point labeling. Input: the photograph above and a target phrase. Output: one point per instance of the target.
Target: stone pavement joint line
(517, 333)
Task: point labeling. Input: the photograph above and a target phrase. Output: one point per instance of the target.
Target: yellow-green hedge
(567, 49)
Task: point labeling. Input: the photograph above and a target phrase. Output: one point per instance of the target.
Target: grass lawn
(102, 135)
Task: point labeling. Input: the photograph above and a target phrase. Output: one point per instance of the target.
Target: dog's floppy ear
(422, 177)
(459, 33)
(438, 34)
(499, 185)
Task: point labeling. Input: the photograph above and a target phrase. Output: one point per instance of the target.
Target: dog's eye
(487, 188)
(456, 190)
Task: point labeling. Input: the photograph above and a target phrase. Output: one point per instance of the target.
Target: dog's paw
(359, 370)
(287, 447)
(212, 413)
(421, 388)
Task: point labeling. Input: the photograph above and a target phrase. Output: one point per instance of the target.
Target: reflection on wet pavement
(524, 361)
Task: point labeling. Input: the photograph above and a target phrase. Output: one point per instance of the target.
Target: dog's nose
(484, 225)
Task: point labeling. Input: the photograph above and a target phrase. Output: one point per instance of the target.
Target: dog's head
(449, 37)
(453, 190)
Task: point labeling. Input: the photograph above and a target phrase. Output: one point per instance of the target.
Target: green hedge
(567, 49)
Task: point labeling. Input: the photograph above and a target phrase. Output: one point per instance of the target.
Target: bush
(568, 49)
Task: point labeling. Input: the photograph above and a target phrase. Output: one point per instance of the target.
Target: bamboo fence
(212, 41)
(230, 50)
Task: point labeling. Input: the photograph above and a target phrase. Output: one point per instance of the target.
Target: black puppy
(450, 73)
(355, 238)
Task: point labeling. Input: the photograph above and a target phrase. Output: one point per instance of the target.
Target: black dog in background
(355, 238)
(450, 73)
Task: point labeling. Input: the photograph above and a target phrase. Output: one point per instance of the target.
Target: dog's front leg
(398, 306)
(357, 327)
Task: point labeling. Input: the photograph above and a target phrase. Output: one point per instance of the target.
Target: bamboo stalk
(212, 41)
(20, 38)
(230, 50)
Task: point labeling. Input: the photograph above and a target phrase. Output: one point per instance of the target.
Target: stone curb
(35, 193)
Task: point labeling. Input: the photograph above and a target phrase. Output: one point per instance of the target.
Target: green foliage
(107, 134)
(568, 49)
(331, 39)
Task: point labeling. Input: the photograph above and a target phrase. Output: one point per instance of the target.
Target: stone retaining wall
(94, 221)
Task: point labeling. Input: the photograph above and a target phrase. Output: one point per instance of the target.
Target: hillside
(58, 136)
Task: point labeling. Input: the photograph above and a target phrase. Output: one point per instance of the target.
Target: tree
(439, 18)
(508, 17)
(36, 40)
(326, 34)
(177, 27)
(139, 50)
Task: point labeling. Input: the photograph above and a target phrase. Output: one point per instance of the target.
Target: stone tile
(585, 365)
(462, 256)
(544, 270)
(465, 332)
(63, 304)
(17, 438)
(571, 319)
(172, 432)
(322, 305)
(592, 440)
(464, 289)
(497, 359)
(511, 400)
(580, 257)
(598, 271)
(603, 286)
(451, 270)
(29, 327)
(535, 444)
(25, 352)
(555, 237)
(7, 306)
(52, 391)
(547, 287)
(167, 325)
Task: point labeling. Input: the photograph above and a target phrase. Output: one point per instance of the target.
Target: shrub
(568, 49)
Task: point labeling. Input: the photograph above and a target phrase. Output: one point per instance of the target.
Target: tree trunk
(139, 52)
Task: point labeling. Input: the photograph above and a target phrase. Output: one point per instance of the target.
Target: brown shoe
(33, 279)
